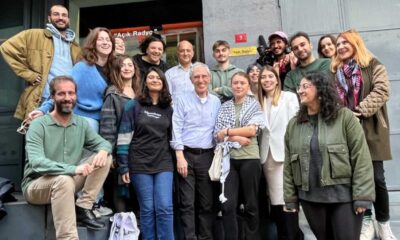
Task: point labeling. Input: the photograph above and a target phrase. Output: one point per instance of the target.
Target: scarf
(250, 114)
(348, 84)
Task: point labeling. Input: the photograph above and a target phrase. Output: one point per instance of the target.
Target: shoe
(367, 230)
(86, 218)
(384, 231)
(99, 210)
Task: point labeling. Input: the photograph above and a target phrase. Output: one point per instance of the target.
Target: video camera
(267, 57)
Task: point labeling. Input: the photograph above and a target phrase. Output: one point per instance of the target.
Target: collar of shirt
(50, 120)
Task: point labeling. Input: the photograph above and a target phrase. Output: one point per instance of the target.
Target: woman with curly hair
(363, 86)
(144, 157)
(328, 168)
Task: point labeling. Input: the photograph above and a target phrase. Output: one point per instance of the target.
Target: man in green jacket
(54, 170)
(38, 55)
(222, 73)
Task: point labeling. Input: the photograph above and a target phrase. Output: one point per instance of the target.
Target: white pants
(273, 172)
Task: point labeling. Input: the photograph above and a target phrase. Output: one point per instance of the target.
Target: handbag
(216, 166)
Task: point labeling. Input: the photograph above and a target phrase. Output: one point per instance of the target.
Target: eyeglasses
(304, 86)
(24, 126)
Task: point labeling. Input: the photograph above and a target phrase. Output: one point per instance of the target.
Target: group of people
(316, 129)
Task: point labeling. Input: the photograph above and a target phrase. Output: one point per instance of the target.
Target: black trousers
(246, 173)
(333, 221)
(197, 194)
(381, 204)
(287, 223)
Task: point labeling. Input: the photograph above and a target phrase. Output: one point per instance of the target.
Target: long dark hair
(328, 97)
(164, 100)
(333, 40)
(115, 74)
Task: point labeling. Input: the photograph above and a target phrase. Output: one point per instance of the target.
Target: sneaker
(367, 230)
(384, 231)
(100, 210)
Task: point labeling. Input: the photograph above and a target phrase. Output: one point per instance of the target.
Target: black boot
(86, 218)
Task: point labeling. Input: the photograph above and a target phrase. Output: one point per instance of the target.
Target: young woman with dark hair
(125, 85)
(144, 156)
(327, 46)
(328, 168)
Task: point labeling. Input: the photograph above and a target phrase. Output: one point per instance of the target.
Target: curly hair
(115, 73)
(164, 99)
(152, 38)
(328, 97)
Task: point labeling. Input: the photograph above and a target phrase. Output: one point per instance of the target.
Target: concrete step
(25, 222)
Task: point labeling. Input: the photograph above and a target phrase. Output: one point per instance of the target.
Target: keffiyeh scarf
(348, 85)
(250, 114)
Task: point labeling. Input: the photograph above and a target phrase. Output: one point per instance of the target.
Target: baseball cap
(278, 34)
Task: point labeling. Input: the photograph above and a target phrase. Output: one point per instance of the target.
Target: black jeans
(333, 221)
(381, 204)
(197, 190)
(245, 172)
(287, 223)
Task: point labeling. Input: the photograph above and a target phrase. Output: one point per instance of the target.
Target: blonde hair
(277, 90)
(361, 54)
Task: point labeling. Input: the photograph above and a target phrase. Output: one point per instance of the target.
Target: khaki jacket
(344, 152)
(30, 54)
(375, 121)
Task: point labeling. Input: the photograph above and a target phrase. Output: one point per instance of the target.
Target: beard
(60, 29)
(63, 109)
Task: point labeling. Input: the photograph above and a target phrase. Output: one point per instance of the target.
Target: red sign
(240, 37)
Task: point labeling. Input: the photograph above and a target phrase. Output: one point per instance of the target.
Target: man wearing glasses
(38, 55)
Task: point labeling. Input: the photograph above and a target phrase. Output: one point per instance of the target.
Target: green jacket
(344, 152)
(222, 79)
(30, 54)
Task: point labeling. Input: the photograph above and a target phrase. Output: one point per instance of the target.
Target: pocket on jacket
(339, 160)
(296, 169)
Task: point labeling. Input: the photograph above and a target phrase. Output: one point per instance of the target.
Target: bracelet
(227, 132)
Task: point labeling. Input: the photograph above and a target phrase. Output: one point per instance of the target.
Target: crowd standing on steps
(316, 130)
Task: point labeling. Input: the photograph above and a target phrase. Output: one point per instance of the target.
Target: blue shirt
(179, 80)
(193, 121)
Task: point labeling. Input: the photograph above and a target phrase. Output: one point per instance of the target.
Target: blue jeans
(154, 192)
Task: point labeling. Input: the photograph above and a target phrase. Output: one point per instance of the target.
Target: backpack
(124, 227)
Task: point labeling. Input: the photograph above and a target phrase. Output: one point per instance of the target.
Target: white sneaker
(100, 211)
(384, 231)
(367, 230)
